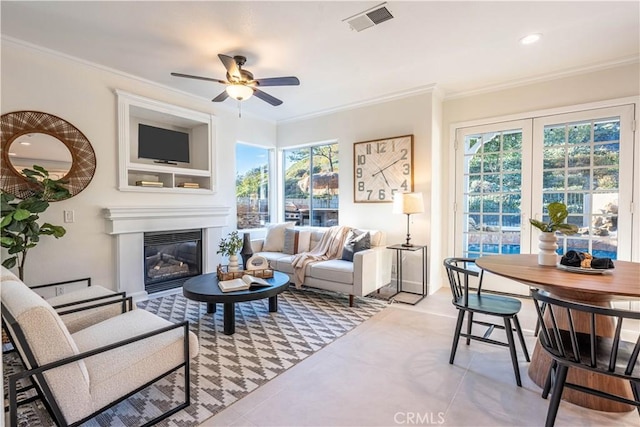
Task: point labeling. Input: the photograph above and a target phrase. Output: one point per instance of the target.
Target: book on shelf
(245, 282)
(149, 184)
(189, 185)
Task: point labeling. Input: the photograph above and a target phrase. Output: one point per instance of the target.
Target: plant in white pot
(230, 246)
(548, 244)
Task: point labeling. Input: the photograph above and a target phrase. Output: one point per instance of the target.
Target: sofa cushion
(272, 258)
(291, 238)
(333, 270)
(356, 241)
(274, 240)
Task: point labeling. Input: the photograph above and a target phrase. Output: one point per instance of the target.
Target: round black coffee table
(205, 288)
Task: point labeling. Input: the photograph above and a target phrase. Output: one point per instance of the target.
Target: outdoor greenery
(20, 228)
(230, 245)
(557, 216)
(494, 164)
(254, 182)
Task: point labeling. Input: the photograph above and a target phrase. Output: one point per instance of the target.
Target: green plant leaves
(19, 226)
(558, 213)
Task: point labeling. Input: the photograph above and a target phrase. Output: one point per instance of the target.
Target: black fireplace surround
(170, 258)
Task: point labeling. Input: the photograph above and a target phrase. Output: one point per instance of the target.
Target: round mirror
(42, 150)
(33, 138)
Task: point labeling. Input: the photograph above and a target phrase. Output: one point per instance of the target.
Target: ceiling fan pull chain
(239, 109)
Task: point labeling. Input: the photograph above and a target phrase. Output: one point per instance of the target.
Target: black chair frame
(43, 391)
(585, 350)
(458, 273)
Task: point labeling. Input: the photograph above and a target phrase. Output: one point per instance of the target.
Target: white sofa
(369, 271)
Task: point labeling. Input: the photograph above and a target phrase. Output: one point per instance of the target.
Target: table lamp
(408, 203)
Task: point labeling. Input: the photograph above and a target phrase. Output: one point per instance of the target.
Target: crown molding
(543, 78)
(61, 55)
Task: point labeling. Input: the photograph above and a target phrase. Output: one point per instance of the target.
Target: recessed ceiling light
(531, 38)
(12, 154)
(25, 143)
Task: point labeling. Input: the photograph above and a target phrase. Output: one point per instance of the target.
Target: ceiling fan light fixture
(239, 92)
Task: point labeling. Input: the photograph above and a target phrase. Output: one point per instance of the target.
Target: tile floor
(393, 370)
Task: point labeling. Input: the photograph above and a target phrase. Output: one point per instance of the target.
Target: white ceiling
(458, 46)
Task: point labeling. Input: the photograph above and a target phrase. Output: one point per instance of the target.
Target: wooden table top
(622, 281)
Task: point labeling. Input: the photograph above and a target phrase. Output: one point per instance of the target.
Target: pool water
(515, 249)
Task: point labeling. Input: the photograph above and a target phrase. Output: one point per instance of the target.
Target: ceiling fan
(240, 83)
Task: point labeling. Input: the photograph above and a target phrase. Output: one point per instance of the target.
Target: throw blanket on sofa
(329, 247)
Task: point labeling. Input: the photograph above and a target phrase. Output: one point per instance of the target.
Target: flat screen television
(162, 145)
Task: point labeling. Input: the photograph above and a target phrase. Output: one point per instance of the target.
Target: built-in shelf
(134, 110)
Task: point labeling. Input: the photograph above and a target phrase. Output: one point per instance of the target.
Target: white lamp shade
(408, 203)
(239, 92)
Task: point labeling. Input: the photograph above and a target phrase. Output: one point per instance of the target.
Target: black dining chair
(459, 270)
(574, 349)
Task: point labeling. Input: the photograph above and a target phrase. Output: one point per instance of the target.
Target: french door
(507, 172)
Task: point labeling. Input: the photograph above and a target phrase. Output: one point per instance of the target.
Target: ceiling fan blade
(189, 76)
(231, 66)
(223, 95)
(278, 81)
(266, 97)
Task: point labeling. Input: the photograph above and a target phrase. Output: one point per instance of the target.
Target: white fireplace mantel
(160, 218)
(128, 225)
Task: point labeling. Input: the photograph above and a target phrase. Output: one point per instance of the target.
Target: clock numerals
(382, 168)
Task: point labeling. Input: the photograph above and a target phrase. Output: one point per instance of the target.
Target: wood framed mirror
(35, 138)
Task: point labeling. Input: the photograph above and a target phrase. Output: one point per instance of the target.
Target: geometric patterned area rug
(228, 367)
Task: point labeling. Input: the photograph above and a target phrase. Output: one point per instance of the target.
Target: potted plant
(229, 247)
(548, 245)
(19, 218)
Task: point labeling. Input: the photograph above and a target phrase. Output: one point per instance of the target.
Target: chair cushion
(82, 319)
(49, 340)
(123, 369)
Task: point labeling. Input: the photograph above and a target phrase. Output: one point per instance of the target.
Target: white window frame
(630, 198)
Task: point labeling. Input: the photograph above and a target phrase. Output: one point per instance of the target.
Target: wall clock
(382, 168)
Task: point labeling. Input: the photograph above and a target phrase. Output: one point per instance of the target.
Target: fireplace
(170, 258)
(129, 224)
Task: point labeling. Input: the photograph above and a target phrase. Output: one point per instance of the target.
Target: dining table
(599, 288)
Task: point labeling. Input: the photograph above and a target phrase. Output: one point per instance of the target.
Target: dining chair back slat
(571, 348)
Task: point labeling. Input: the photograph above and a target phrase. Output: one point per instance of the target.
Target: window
(252, 186)
(311, 185)
(493, 190)
(507, 172)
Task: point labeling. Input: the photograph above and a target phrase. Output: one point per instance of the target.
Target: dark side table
(401, 295)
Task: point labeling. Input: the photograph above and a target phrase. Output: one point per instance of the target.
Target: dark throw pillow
(291, 238)
(356, 242)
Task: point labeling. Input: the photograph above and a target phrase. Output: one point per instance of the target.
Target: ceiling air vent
(369, 18)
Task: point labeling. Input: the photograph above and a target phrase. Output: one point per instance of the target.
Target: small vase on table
(548, 244)
(233, 263)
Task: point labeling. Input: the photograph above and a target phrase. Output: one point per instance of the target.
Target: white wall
(84, 96)
(411, 115)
